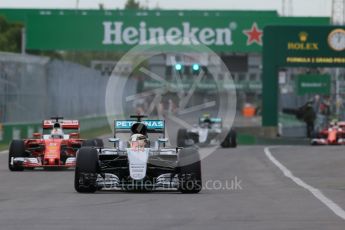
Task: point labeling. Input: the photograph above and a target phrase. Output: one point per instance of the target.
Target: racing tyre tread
(17, 149)
(230, 140)
(97, 142)
(87, 163)
(181, 137)
(87, 143)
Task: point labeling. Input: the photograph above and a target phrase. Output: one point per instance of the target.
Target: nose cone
(332, 137)
(51, 161)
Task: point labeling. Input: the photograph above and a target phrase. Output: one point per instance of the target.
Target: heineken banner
(231, 33)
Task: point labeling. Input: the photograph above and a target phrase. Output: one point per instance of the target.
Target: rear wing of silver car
(132, 126)
(212, 119)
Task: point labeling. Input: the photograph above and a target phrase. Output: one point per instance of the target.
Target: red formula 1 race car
(334, 134)
(56, 147)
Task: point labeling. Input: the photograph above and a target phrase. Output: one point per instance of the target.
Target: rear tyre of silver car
(88, 143)
(233, 138)
(93, 142)
(230, 140)
(99, 142)
(86, 170)
(181, 137)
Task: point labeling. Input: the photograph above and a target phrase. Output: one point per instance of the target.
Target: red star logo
(254, 35)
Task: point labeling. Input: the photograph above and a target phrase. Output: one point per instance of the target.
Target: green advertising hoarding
(298, 46)
(122, 33)
(222, 31)
(218, 86)
(313, 46)
(313, 84)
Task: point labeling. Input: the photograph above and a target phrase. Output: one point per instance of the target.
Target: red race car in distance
(56, 147)
(334, 134)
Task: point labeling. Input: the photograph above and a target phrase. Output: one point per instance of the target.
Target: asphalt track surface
(264, 198)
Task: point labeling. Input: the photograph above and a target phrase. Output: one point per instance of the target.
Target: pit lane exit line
(316, 192)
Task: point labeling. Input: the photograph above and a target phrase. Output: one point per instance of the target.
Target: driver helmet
(138, 141)
(334, 122)
(206, 115)
(207, 120)
(57, 133)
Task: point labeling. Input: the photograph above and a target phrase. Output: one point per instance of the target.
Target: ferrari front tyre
(17, 149)
(86, 170)
(189, 167)
(313, 143)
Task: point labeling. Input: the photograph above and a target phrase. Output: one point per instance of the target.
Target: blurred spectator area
(33, 88)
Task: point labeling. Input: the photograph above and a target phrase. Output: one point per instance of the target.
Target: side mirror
(114, 139)
(163, 140)
(74, 135)
(37, 135)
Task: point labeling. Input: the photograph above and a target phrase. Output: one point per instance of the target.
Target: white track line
(4, 151)
(316, 192)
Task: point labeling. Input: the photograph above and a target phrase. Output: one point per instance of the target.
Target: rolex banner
(238, 33)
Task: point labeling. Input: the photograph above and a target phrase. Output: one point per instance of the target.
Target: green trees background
(10, 36)
(11, 41)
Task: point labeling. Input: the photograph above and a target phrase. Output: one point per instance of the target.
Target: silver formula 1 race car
(209, 131)
(139, 162)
